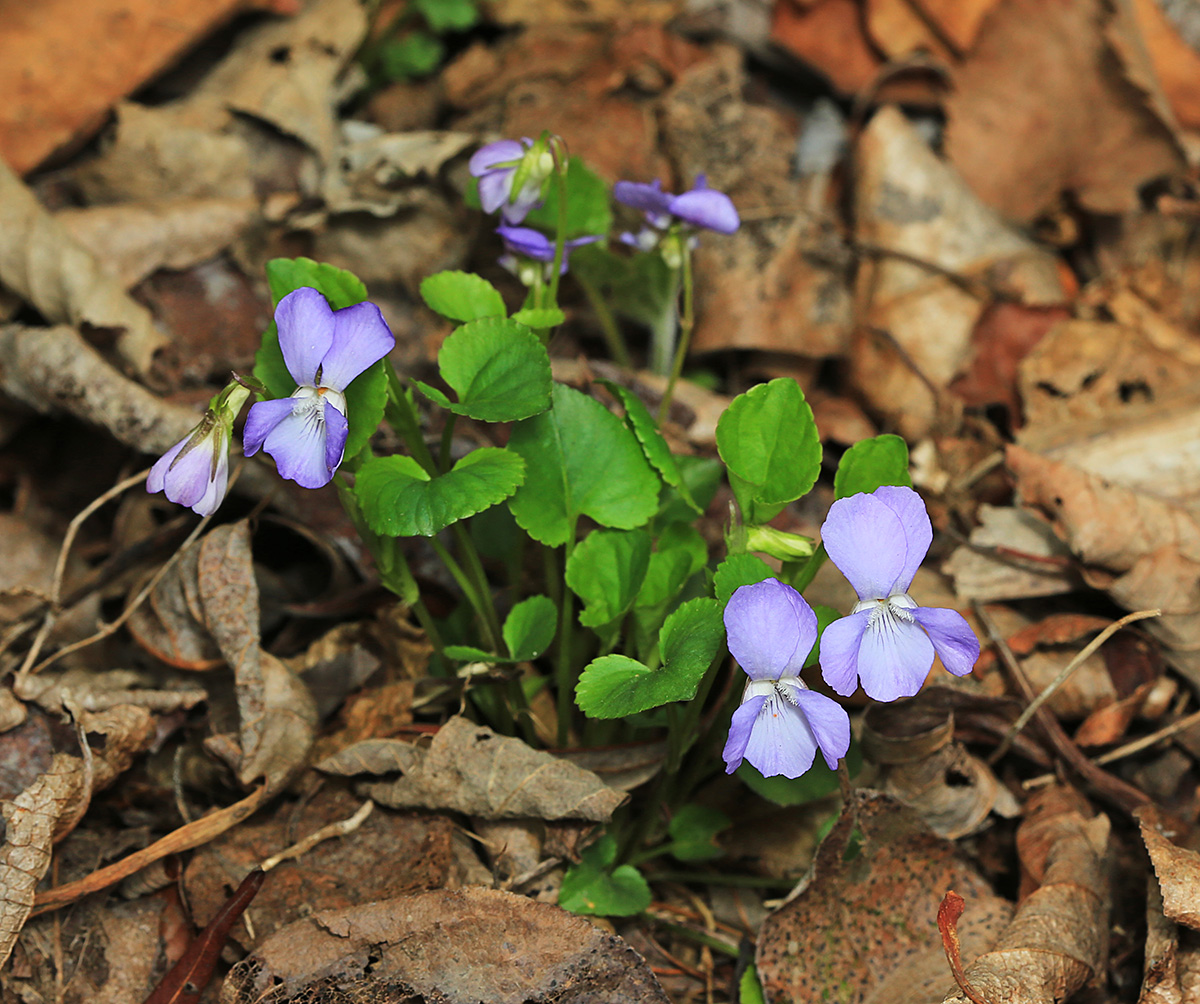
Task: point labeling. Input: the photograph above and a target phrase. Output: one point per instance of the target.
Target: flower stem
(565, 676)
(663, 331)
(808, 570)
(687, 323)
(403, 418)
(468, 590)
(444, 457)
(608, 323)
(559, 151)
(470, 555)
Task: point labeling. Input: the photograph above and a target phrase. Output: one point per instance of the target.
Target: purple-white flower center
(884, 613)
(774, 691)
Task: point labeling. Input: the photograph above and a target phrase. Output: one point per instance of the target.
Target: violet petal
(262, 418)
(840, 643)
(494, 189)
(187, 481)
(952, 637)
(918, 531)
(305, 325)
(649, 198)
(298, 445)
(337, 428)
(361, 338)
(156, 480)
(740, 727)
(781, 741)
(894, 659)
(865, 538)
(528, 242)
(502, 151)
(707, 208)
(829, 723)
(771, 629)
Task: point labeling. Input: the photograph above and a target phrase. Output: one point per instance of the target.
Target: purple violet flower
(530, 243)
(324, 350)
(888, 642)
(780, 723)
(499, 165)
(195, 471)
(701, 207)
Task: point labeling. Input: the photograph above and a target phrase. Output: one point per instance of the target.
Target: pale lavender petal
(781, 740)
(156, 481)
(502, 151)
(305, 325)
(649, 198)
(298, 446)
(187, 480)
(865, 538)
(708, 208)
(895, 658)
(494, 188)
(262, 418)
(214, 495)
(528, 198)
(337, 428)
(361, 338)
(840, 642)
(952, 637)
(528, 242)
(829, 723)
(918, 531)
(740, 727)
(771, 629)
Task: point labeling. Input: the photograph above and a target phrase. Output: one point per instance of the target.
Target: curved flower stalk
(780, 724)
(195, 471)
(526, 247)
(511, 174)
(324, 350)
(887, 642)
(680, 216)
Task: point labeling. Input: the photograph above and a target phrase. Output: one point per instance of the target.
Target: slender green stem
(687, 323)
(402, 416)
(565, 676)
(806, 574)
(608, 323)
(470, 555)
(683, 734)
(468, 589)
(444, 457)
(664, 330)
(558, 151)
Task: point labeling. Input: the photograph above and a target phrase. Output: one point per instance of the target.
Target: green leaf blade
(872, 463)
(606, 570)
(400, 499)
(530, 627)
(499, 369)
(595, 888)
(462, 296)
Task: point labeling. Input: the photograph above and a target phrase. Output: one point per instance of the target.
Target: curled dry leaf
(468, 768)
(138, 239)
(43, 264)
(916, 209)
(1171, 972)
(1068, 75)
(49, 808)
(925, 769)
(1058, 938)
(876, 881)
(454, 947)
(1144, 550)
(278, 714)
(1177, 868)
(170, 623)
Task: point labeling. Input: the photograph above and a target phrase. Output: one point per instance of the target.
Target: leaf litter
(1016, 299)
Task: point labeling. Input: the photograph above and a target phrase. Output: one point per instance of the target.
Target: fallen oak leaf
(192, 973)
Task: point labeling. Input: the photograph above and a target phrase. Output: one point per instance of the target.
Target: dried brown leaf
(453, 947)
(277, 712)
(946, 249)
(1040, 107)
(883, 892)
(169, 625)
(44, 264)
(468, 768)
(1058, 938)
(1177, 868)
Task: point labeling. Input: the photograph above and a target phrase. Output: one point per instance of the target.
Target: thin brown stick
(338, 829)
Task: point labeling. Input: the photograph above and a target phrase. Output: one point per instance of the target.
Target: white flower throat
(885, 613)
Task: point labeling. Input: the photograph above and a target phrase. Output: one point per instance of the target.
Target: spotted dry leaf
(469, 768)
(31, 823)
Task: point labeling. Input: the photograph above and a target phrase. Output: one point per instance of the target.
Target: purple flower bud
(780, 724)
(498, 166)
(324, 351)
(195, 471)
(887, 642)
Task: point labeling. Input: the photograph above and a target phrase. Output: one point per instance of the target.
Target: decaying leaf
(952, 790)
(1050, 71)
(44, 264)
(876, 881)
(170, 623)
(947, 249)
(1058, 938)
(278, 714)
(1177, 868)
(468, 768)
(455, 947)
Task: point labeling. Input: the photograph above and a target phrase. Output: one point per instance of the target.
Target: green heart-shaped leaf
(606, 570)
(595, 888)
(870, 463)
(400, 499)
(581, 461)
(462, 296)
